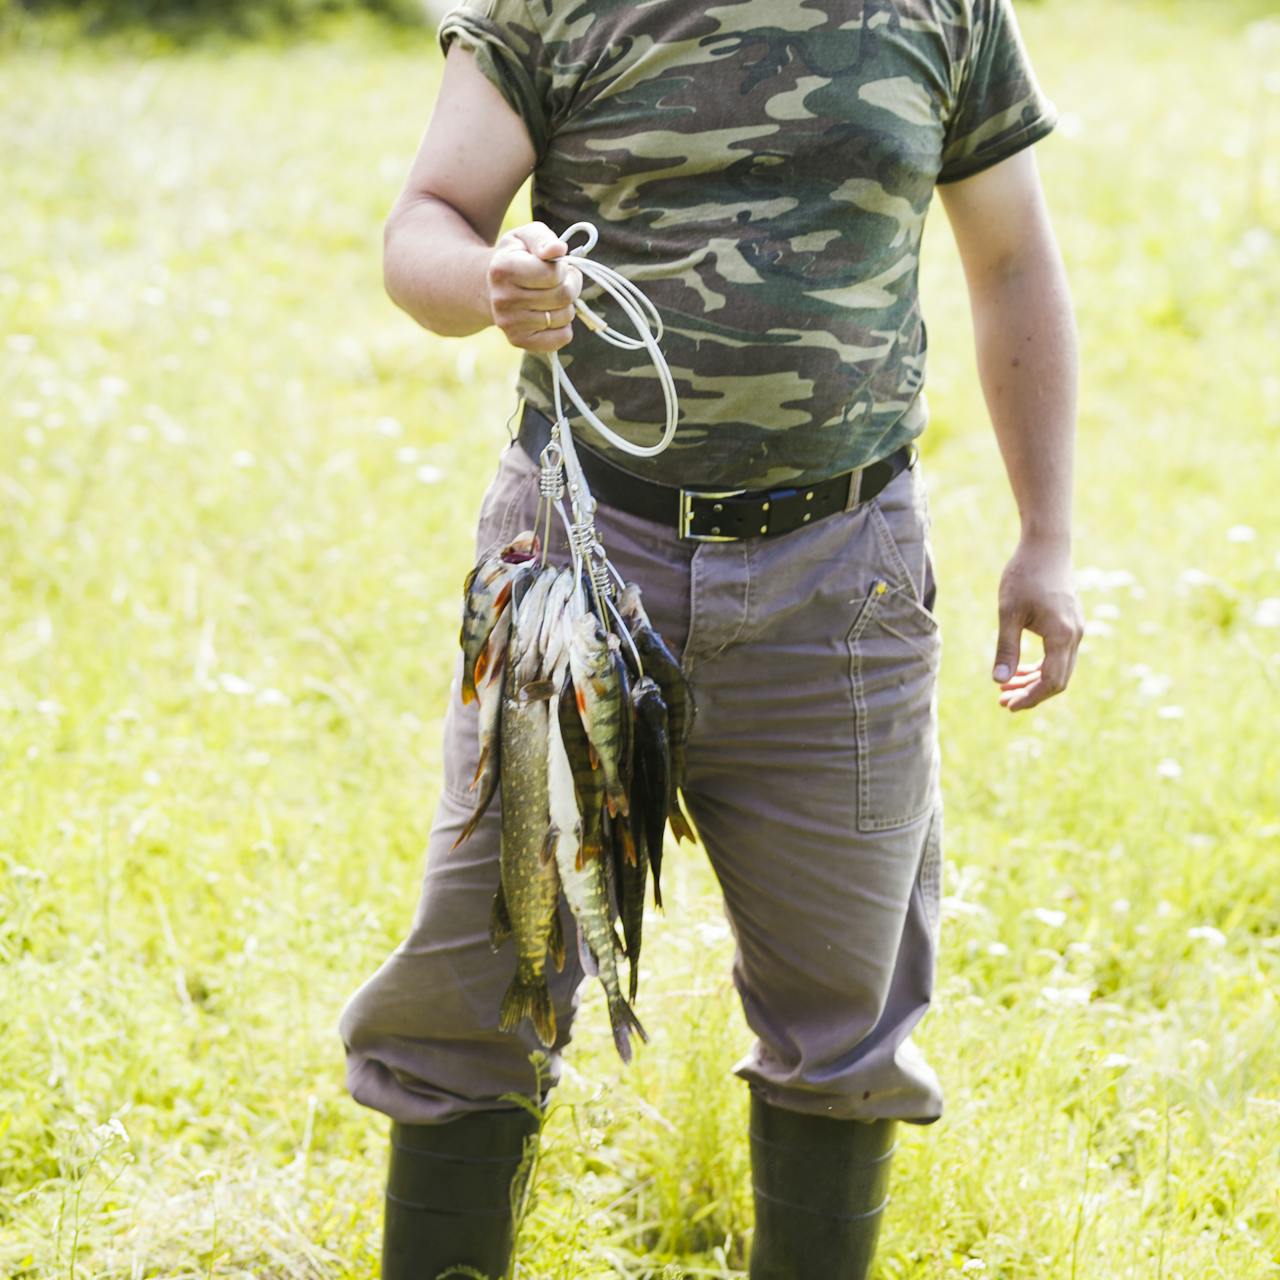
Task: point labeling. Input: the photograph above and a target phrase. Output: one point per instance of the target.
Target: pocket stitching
(866, 823)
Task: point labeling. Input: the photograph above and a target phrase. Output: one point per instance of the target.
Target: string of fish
(584, 714)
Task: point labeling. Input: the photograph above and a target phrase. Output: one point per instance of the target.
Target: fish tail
(532, 1000)
(623, 1020)
(499, 920)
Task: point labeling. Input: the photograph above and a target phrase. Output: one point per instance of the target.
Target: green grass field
(236, 494)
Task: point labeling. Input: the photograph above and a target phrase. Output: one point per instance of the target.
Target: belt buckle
(686, 514)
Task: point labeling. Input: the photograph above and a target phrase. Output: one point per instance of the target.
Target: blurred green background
(236, 494)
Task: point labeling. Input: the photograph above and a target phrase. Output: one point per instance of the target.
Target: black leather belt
(724, 515)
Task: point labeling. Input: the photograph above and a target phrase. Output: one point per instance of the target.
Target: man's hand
(1026, 348)
(1037, 594)
(530, 277)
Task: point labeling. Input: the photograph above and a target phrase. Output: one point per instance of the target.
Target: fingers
(539, 239)
(532, 288)
(1008, 646)
(1032, 685)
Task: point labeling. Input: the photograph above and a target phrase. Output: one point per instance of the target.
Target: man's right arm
(441, 264)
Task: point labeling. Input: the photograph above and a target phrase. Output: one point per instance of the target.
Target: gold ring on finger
(548, 315)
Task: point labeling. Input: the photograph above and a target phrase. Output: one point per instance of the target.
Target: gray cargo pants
(813, 782)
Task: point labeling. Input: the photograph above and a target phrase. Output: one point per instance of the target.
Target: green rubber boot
(821, 1186)
(449, 1196)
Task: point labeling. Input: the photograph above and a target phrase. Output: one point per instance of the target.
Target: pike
(526, 904)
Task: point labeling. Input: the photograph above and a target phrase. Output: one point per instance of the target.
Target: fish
(588, 779)
(486, 594)
(584, 882)
(551, 637)
(594, 661)
(526, 906)
(631, 867)
(677, 694)
(650, 791)
(489, 692)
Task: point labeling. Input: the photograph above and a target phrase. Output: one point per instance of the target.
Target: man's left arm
(1027, 361)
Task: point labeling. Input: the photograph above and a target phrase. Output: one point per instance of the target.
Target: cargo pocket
(509, 504)
(894, 647)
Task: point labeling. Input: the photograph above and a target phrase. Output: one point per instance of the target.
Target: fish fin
(619, 947)
(503, 598)
(657, 892)
(548, 850)
(477, 674)
(623, 800)
(484, 755)
(629, 846)
(634, 962)
(680, 824)
(587, 853)
(581, 699)
(499, 920)
(537, 691)
(555, 943)
(623, 1020)
(472, 823)
(529, 1000)
(593, 755)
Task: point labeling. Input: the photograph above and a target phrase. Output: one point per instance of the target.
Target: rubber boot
(450, 1191)
(821, 1186)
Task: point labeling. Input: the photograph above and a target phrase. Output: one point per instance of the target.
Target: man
(762, 171)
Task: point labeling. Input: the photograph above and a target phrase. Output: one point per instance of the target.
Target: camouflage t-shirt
(762, 170)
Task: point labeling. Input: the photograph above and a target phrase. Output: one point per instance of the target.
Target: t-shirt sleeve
(509, 52)
(1000, 107)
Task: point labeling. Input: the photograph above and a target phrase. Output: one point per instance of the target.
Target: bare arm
(1027, 361)
(440, 261)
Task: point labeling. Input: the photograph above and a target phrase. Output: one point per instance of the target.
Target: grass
(236, 488)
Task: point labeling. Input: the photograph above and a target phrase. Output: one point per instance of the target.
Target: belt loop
(855, 488)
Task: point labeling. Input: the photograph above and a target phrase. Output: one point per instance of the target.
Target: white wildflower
(1267, 614)
(1169, 768)
(1207, 933)
(1050, 916)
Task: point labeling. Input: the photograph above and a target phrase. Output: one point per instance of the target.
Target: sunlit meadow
(236, 493)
